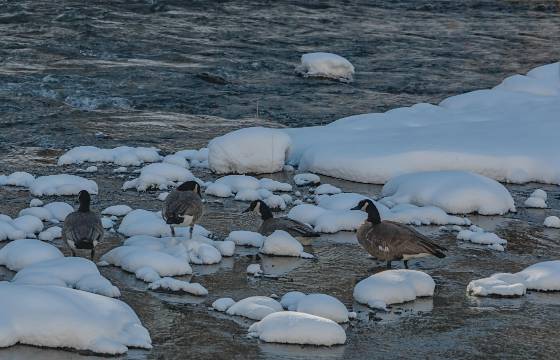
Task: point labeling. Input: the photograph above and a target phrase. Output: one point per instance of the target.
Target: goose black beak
(357, 207)
(246, 210)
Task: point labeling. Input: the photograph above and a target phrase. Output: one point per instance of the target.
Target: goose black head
(260, 208)
(369, 207)
(85, 200)
(190, 186)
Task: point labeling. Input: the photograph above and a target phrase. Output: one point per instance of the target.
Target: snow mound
(456, 192)
(9, 230)
(306, 179)
(54, 232)
(53, 316)
(254, 269)
(324, 306)
(54, 212)
(35, 202)
(117, 210)
(537, 199)
(327, 189)
(250, 150)
(393, 287)
(298, 328)
(30, 224)
(291, 299)
(248, 188)
(479, 236)
(160, 176)
(255, 307)
(219, 190)
(144, 222)
(246, 238)
(280, 243)
(72, 272)
(62, 184)
(328, 65)
(543, 276)
(171, 284)
(176, 160)
(18, 178)
(23, 253)
(222, 304)
(552, 221)
(122, 155)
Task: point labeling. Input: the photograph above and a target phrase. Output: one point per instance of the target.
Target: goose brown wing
(402, 240)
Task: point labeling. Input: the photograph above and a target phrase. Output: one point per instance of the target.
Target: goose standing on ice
(183, 206)
(82, 228)
(302, 232)
(391, 241)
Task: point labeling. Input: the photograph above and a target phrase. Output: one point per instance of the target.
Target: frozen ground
(135, 65)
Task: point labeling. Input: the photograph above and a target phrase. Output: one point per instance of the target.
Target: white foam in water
(250, 150)
(323, 64)
(54, 316)
(393, 287)
(62, 184)
(456, 192)
(122, 155)
(543, 276)
(290, 327)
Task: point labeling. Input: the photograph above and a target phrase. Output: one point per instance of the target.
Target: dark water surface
(174, 74)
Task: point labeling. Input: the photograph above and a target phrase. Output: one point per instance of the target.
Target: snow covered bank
(507, 133)
(328, 65)
(456, 192)
(54, 316)
(544, 276)
(122, 155)
(392, 287)
(250, 150)
(290, 327)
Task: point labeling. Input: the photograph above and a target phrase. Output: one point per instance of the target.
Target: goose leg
(406, 264)
(173, 231)
(92, 255)
(191, 231)
(389, 264)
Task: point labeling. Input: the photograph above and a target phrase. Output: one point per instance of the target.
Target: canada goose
(183, 206)
(391, 241)
(82, 228)
(302, 232)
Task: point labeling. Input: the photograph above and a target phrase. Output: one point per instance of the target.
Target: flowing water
(175, 74)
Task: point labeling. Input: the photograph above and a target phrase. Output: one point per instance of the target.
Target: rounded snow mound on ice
(18, 178)
(456, 192)
(323, 64)
(543, 276)
(255, 307)
(393, 287)
(222, 304)
(122, 155)
(171, 284)
(290, 327)
(54, 316)
(479, 236)
(552, 221)
(246, 238)
(280, 243)
(291, 299)
(73, 272)
(306, 179)
(250, 150)
(62, 184)
(117, 210)
(144, 222)
(537, 199)
(325, 306)
(326, 189)
(22, 253)
(160, 176)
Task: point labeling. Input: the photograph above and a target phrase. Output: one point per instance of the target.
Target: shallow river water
(173, 75)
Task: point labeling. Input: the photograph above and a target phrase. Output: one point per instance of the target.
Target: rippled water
(174, 74)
